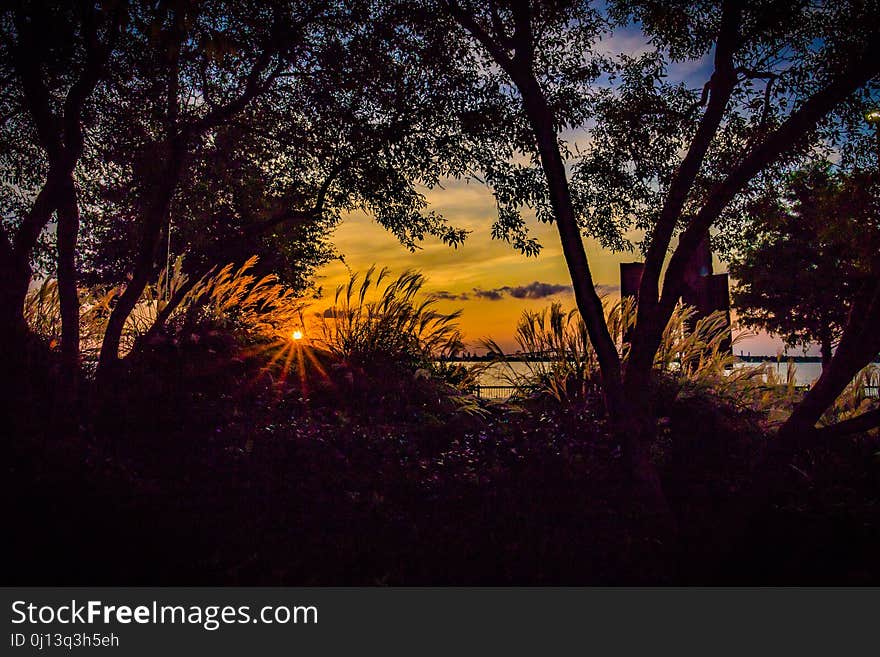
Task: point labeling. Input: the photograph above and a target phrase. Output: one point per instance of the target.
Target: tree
(528, 42)
(784, 78)
(223, 130)
(57, 55)
(186, 70)
(859, 342)
(804, 258)
(310, 110)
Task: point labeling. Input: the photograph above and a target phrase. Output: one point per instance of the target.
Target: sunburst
(291, 354)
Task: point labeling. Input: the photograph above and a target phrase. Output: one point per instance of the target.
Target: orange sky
(480, 263)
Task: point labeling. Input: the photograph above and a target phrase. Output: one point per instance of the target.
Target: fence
(870, 391)
(496, 392)
(499, 392)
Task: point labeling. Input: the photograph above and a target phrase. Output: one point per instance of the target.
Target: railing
(496, 392)
(870, 391)
(507, 391)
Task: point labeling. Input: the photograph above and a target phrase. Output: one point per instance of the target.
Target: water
(499, 374)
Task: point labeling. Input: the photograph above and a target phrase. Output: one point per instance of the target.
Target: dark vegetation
(207, 464)
(775, 291)
(172, 172)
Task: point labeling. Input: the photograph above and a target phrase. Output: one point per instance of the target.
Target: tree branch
(857, 74)
(469, 23)
(498, 26)
(36, 93)
(721, 87)
(864, 422)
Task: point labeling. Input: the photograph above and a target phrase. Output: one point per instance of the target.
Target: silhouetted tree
(672, 158)
(805, 255)
(53, 57)
(257, 137)
(228, 129)
(185, 71)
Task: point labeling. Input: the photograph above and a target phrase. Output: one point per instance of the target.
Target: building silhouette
(704, 290)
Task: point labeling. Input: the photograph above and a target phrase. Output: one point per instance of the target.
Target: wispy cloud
(445, 295)
(535, 290)
(493, 295)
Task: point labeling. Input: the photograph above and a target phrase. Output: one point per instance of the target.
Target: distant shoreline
(519, 358)
(784, 359)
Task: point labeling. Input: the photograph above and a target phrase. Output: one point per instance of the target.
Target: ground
(198, 473)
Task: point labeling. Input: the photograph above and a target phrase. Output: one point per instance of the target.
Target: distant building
(706, 291)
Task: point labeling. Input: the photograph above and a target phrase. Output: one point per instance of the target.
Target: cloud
(608, 289)
(445, 295)
(535, 290)
(629, 40)
(492, 295)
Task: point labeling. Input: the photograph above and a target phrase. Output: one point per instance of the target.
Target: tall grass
(376, 319)
(855, 400)
(229, 297)
(42, 312)
(236, 298)
(561, 361)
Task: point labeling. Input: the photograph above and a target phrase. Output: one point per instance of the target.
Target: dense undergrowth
(221, 454)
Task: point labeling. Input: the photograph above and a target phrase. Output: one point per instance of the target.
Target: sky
(489, 281)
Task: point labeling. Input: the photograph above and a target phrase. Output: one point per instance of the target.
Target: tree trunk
(637, 386)
(144, 266)
(15, 275)
(109, 356)
(638, 432)
(587, 299)
(15, 278)
(826, 352)
(633, 423)
(156, 217)
(859, 345)
(635, 432)
(68, 228)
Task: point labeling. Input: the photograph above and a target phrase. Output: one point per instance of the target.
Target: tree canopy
(224, 128)
(807, 253)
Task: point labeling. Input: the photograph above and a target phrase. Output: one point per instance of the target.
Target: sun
(297, 335)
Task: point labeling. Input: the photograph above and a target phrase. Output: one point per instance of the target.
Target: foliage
(311, 110)
(261, 306)
(46, 52)
(560, 359)
(420, 498)
(378, 320)
(497, 135)
(806, 254)
(648, 117)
